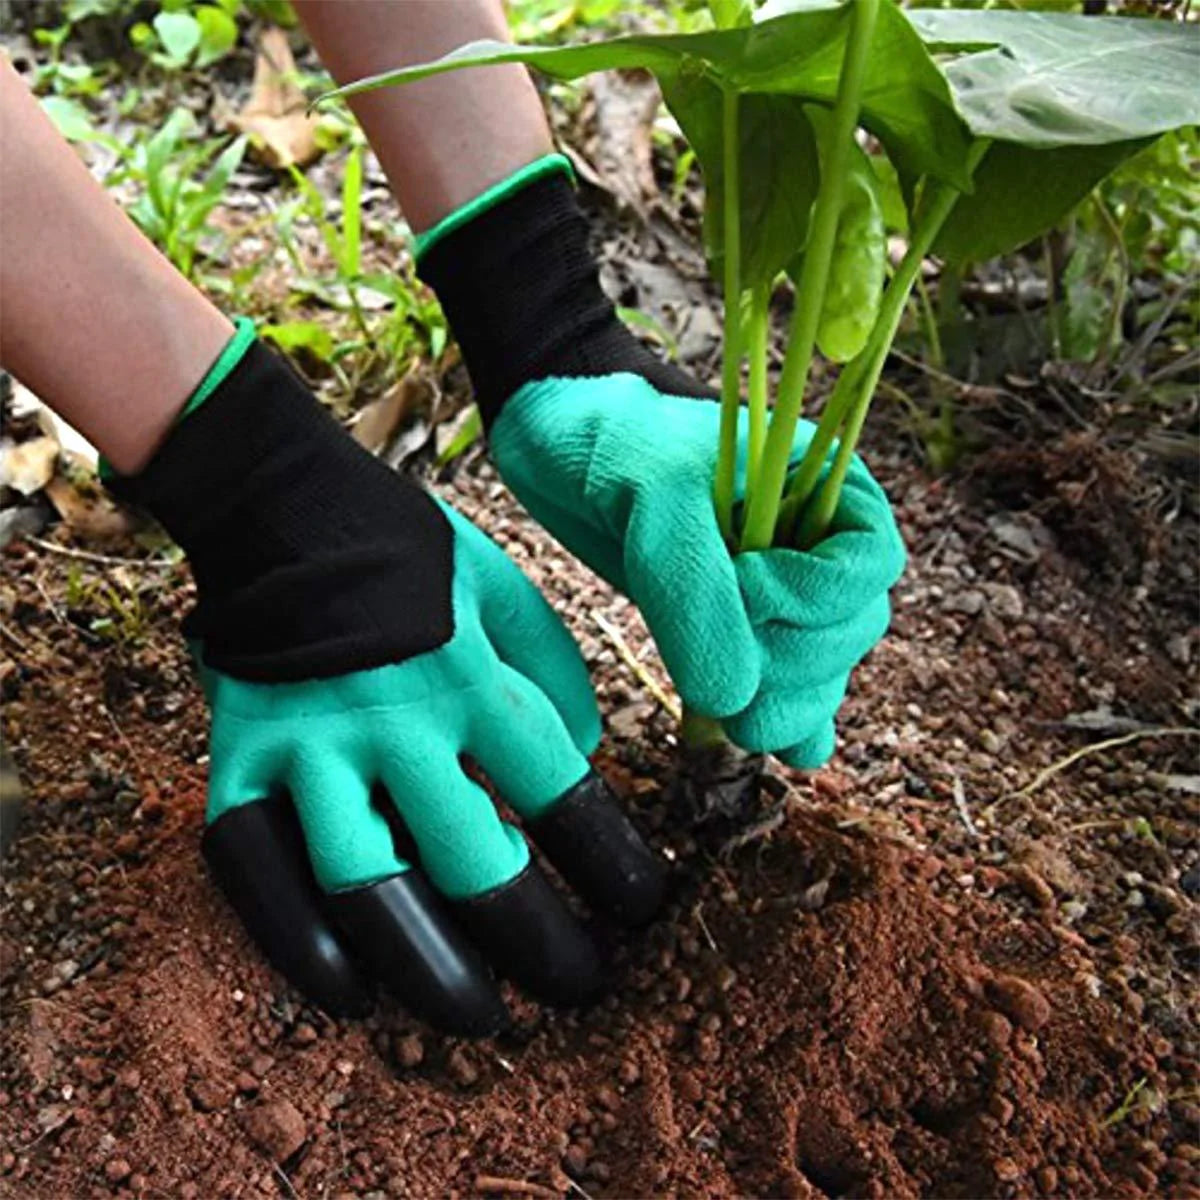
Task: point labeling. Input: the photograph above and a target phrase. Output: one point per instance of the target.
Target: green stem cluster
(797, 511)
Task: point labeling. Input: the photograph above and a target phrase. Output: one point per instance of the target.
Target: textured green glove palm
(615, 452)
(621, 475)
(509, 689)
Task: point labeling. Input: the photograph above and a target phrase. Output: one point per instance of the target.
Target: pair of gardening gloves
(367, 653)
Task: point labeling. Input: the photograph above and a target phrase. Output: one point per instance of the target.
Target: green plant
(184, 34)
(114, 613)
(996, 123)
(393, 315)
(181, 179)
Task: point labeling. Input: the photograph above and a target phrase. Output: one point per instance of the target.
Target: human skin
(93, 318)
(444, 140)
(102, 327)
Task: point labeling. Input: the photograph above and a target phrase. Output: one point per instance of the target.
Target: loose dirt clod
(276, 1128)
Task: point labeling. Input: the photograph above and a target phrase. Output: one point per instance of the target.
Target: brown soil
(888, 993)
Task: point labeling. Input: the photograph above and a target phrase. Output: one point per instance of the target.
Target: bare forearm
(92, 318)
(444, 140)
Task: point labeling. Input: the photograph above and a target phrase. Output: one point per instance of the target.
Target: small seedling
(1133, 1099)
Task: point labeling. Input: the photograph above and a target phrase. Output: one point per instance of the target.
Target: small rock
(996, 1028)
(276, 1128)
(629, 1072)
(209, 1095)
(246, 1083)
(970, 602)
(991, 741)
(462, 1069)
(1135, 899)
(1047, 1178)
(117, 1170)
(304, 1034)
(410, 1050)
(1073, 910)
(1004, 601)
(1002, 1108)
(1006, 1170)
(1162, 901)
(1020, 1000)
(1033, 885)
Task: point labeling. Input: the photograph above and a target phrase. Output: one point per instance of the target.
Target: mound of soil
(876, 994)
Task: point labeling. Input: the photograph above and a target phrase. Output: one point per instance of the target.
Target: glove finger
(529, 636)
(255, 853)
(569, 810)
(399, 927)
(801, 658)
(495, 890)
(782, 717)
(682, 578)
(814, 751)
(818, 587)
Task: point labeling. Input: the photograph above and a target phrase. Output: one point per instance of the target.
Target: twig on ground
(960, 804)
(668, 704)
(698, 912)
(55, 611)
(12, 637)
(514, 1187)
(102, 560)
(575, 1187)
(1062, 764)
(287, 1183)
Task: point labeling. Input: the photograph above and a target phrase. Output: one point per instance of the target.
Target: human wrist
(521, 291)
(302, 544)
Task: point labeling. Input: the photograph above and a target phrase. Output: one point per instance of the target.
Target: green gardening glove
(614, 452)
(366, 652)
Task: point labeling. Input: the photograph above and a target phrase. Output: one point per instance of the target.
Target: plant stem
(763, 509)
(700, 732)
(804, 481)
(817, 515)
(1120, 287)
(756, 349)
(731, 367)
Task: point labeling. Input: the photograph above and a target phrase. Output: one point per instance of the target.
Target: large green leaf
(795, 49)
(779, 172)
(1020, 193)
(1054, 79)
(1067, 99)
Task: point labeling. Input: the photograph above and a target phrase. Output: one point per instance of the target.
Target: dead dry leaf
(27, 467)
(399, 423)
(88, 511)
(276, 118)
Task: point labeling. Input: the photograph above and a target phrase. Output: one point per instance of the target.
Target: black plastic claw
(595, 847)
(401, 930)
(256, 855)
(526, 930)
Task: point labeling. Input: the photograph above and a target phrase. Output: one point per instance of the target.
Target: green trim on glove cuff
(235, 350)
(548, 164)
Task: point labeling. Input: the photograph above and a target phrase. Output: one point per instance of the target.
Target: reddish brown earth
(868, 997)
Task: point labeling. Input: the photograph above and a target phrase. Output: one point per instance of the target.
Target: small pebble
(117, 1170)
(410, 1050)
(462, 1069)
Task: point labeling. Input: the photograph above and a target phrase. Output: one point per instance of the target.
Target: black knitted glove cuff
(311, 558)
(522, 294)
